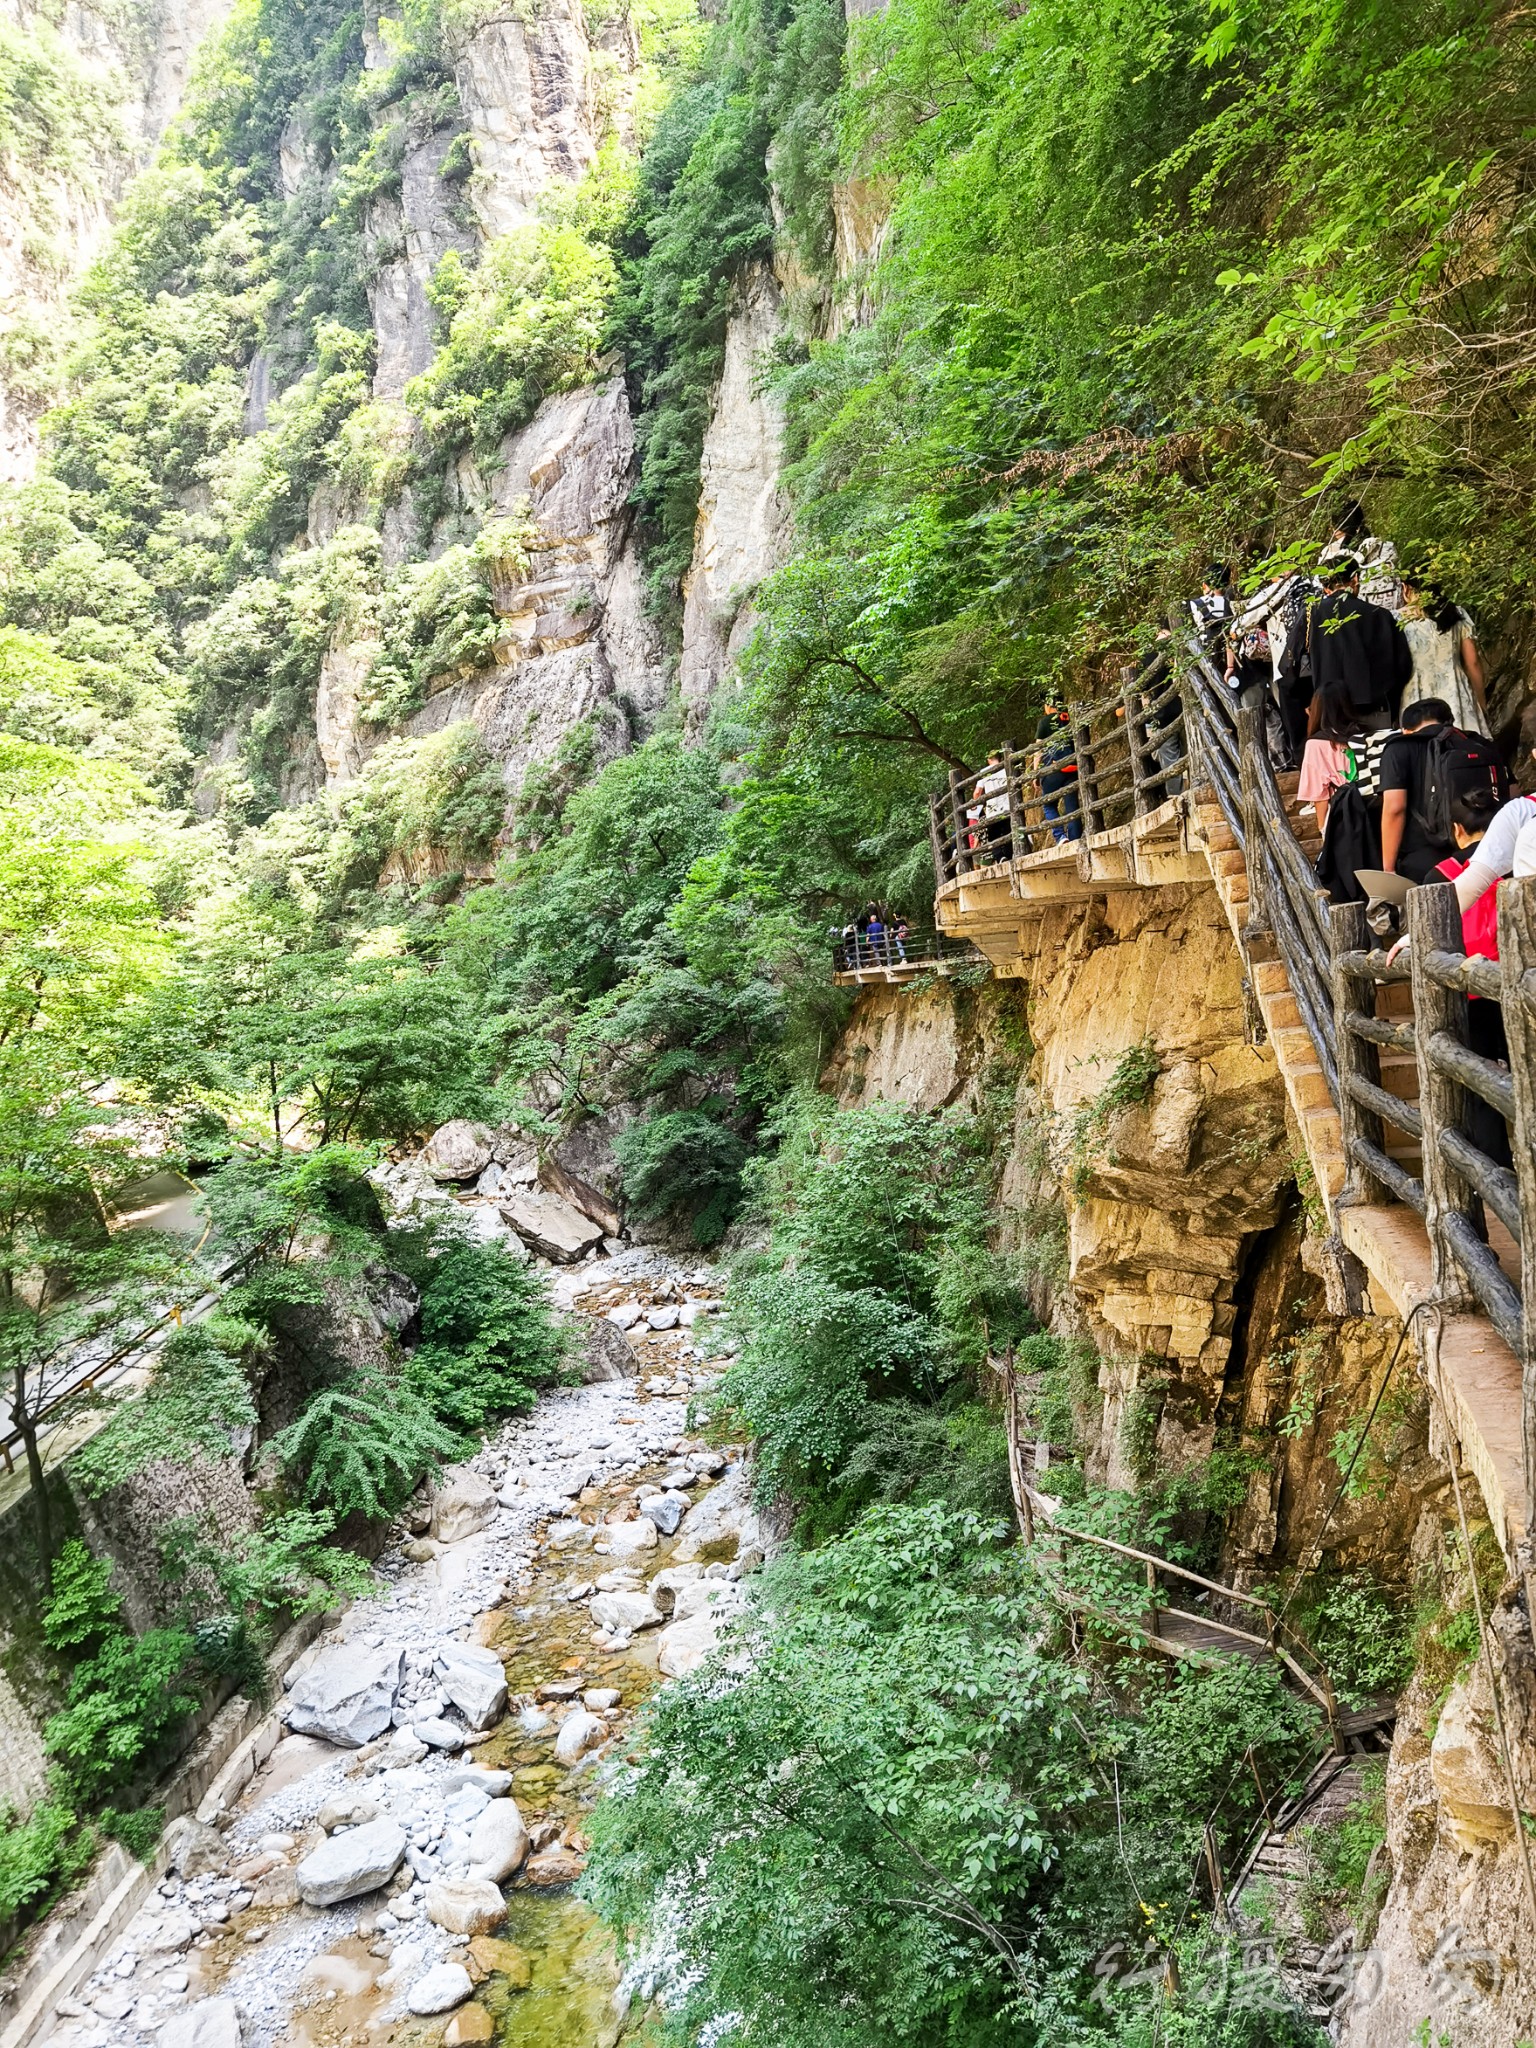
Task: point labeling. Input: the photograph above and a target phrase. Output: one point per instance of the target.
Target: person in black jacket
(1358, 653)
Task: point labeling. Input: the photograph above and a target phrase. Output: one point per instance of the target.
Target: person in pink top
(1327, 762)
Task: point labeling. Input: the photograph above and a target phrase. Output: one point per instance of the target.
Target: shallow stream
(224, 1955)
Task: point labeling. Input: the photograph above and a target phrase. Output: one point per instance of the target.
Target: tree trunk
(42, 1507)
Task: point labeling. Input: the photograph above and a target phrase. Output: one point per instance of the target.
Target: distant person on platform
(1358, 654)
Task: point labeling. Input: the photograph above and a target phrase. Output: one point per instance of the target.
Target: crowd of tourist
(1367, 679)
(875, 938)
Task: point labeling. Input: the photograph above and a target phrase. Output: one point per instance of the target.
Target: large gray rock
(193, 1848)
(706, 1596)
(622, 1613)
(579, 1732)
(355, 1861)
(606, 1353)
(723, 1525)
(443, 1987)
(550, 1225)
(683, 1645)
(437, 1733)
(462, 1506)
(474, 1680)
(629, 1539)
(347, 1695)
(498, 1842)
(465, 1905)
(666, 1510)
(459, 1150)
(211, 2023)
(664, 1588)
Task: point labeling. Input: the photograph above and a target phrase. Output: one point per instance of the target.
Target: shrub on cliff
(488, 1340)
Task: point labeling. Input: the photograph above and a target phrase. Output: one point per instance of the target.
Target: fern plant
(364, 1444)
(488, 1339)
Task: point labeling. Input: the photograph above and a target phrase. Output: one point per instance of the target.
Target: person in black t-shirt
(1357, 649)
(1408, 845)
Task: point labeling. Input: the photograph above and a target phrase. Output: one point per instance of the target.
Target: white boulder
(347, 1695)
(723, 1524)
(551, 1225)
(211, 2023)
(437, 1733)
(465, 1905)
(459, 1150)
(621, 1613)
(663, 1318)
(443, 1987)
(683, 1645)
(474, 1680)
(355, 1861)
(664, 1588)
(629, 1539)
(462, 1506)
(579, 1732)
(498, 1842)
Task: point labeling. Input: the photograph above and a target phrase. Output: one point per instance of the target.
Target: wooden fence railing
(1112, 761)
(897, 950)
(1414, 1132)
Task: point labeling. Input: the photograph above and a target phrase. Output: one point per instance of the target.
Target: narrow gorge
(735, 1304)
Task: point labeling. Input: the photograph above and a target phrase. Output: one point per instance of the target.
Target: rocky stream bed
(400, 1869)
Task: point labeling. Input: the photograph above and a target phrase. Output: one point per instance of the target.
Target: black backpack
(1456, 761)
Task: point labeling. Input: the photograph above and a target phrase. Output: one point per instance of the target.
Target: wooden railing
(1176, 725)
(918, 949)
(1206, 1634)
(1122, 757)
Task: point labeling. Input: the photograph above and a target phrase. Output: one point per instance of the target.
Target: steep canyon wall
(1196, 1266)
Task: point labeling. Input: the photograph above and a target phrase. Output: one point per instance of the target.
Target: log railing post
(1132, 740)
(1087, 777)
(1434, 925)
(1018, 841)
(943, 870)
(1348, 932)
(964, 858)
(1250, 743)
(1517, 968)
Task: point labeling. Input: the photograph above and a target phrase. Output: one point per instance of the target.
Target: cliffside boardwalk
(1175, 786)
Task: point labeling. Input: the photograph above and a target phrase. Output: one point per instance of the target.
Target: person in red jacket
(1471, 815)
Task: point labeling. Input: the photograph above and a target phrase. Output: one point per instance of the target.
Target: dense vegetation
(1162, 280)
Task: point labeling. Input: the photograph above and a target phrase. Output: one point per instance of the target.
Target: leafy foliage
(361, 1447)
(877, 1286)
(39, 1855)
(123, 1701)
(892, 1814)
(198, 1395)
(488, 1340)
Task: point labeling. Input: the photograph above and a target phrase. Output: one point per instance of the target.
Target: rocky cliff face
(125, 70)
(1190, 1260)
(1163, 1197)
(536, 97)
(578, 646)
(743, 524)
